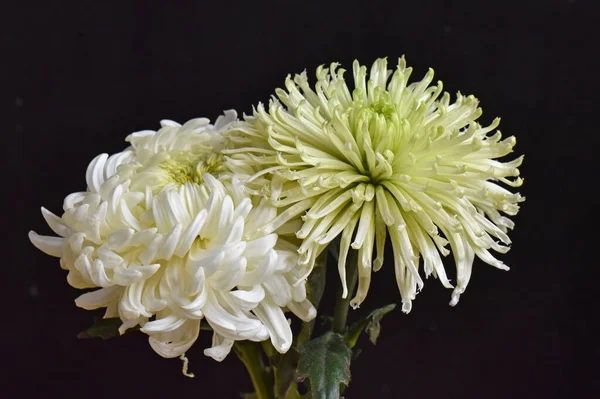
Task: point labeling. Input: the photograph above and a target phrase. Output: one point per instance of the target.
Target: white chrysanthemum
(386, 158)
(169, 244)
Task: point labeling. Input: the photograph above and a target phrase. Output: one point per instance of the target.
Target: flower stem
(342, 305)
(250, 354)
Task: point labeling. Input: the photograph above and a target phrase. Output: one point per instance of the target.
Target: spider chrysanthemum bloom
(169, 244)
(385, 159)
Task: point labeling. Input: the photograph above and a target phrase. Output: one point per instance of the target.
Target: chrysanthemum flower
(169, 244)
(387, 158)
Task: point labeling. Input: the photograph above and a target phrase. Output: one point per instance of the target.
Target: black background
(77, 77)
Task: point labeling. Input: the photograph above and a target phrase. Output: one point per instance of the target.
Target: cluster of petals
(167, 237)
(385, 160)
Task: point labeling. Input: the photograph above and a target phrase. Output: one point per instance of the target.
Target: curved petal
(55, 223)
(221, 347)
(236, 327)
(52, 246)
(279, 330)
(261, 271)
(229, 275)
(100, 298)
(169, 323)
(94, 175)
(248, 299)
(258, 248)
(173, 343)
(279, 289)
(304, 310)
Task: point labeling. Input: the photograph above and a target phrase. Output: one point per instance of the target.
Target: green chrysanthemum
(387, 158)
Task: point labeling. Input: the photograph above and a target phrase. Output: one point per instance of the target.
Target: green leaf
(104, 328)
(326, 362)
(370, 324)
(374, 326)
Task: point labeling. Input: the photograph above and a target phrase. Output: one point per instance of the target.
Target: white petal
(166, 324)
(127, 217)
(55, 223)
(463, 257)
(175, 209)
(174, 343)
(98, 274)
(224, 120)
(143, 237)
(248, 299)
(279, 329)
(170, 243)
(237, 230)
(221, 347)
(138, 139)
(119, 239)
(229, 274)
(190, 234)
(99, 298)
(210, 261)
(75, 280)
(261, 271)
(279, 289)
(108, 257)
(94, 175)
(237, 327)
(243, 209)
(196, 123)
(195, 278)
(52, 246)
(149, 300)
(298, 292)
(169, 123)
(127, 324)
(73, 199)
(76, 242)
(234, 251)
(83, 263)
(149, 254)
(146, 271)
(304, 310)
(193, 310)
(258, 248)
(224, 221)
(260, 216)
(130, 306)
(110, 167)
(125, 276)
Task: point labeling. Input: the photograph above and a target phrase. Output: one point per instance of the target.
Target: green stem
(250, 354)
(342, 305)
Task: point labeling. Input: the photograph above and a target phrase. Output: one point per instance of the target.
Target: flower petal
(173, 343)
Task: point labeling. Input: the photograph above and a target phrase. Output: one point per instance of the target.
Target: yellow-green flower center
(376, 128)
(382, 108)
(183, 167)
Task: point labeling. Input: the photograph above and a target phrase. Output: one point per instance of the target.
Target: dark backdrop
(77, 77)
